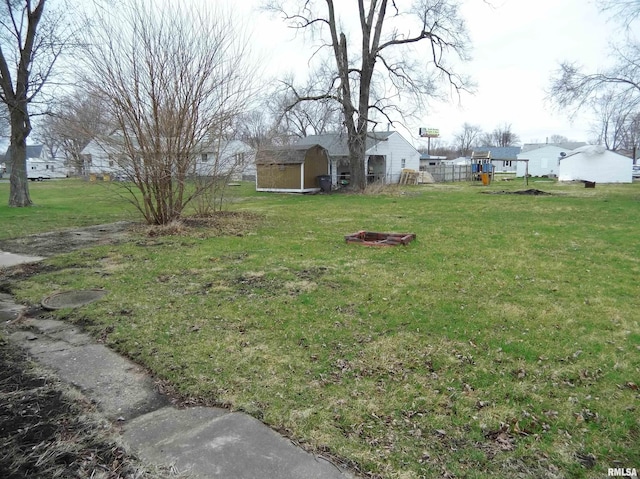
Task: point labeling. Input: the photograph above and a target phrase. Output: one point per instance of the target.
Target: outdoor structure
(566, 145)
(450, 170)
(291, 168)
(233, 158)
(543, 161)
(595, 164)
(502, 158)
(481, 166)
(102, 156)
(373, 238)
(427, 160)
(39, 165)
(386, 155)
(106, 157)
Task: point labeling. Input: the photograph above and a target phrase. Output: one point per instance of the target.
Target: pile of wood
(409, 177)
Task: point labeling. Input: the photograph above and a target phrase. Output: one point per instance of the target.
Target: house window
(403, 163)
(205, 158)
(506, 163)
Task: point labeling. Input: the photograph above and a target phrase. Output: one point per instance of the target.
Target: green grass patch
(503, 342)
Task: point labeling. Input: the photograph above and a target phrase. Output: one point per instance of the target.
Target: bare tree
(32, 42)
(627, 11)
(4, 122)
(75, 119)
(572, 87)
(558, 139)
(466, 139)
(611, 120)
(173, 79)
(370, 80)
(501, 136)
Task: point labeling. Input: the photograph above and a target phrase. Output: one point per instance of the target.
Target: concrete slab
(121, 389)
(9, 310)
(208, 443)
(12, 259)
(58, 330)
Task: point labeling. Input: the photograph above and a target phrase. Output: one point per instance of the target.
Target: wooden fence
(449, 173)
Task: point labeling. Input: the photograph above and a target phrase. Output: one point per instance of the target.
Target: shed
(291, 168)
(595, 164)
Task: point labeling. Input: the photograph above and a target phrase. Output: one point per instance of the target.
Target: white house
(100, 156)
(235, 158)
(543, 161)
(386, 155)
(596, 164)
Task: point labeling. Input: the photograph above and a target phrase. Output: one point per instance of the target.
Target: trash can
(324, 181)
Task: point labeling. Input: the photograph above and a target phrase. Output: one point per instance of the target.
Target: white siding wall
(396, 149)
(225, 159)
(542, 161)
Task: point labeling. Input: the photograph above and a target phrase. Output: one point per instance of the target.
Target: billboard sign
(429, 132)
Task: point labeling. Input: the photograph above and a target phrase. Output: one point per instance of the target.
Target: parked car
(635, 171)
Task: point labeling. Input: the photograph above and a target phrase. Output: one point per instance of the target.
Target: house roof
(336, 143)
(502, 152)
(33, 151)
(289, 154)
(567, 145)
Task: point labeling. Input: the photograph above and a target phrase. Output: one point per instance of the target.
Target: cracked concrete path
(204, 443)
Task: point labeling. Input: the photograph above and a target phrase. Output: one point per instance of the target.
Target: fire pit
(372, 238)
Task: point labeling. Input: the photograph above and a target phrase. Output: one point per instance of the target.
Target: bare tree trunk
(19, 189)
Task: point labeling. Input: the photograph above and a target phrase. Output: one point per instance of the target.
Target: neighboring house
(102, 156)
(386, 155)
(543, 161)
(427, 160)
(566, 146)
(595, 164)
(291, 168)
(460, 161)
(233, 157)
(39, 165)
(106, 156)
(503, 158)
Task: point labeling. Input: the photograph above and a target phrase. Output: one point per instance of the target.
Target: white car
(635, 171)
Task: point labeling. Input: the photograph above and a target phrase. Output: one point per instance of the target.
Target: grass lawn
(503, 342)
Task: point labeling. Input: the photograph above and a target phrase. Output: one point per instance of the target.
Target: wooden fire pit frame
(373, 238)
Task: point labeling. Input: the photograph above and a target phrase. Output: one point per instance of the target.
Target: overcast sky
(517, 44)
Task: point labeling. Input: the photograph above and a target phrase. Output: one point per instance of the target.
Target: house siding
(542, 161)
(396, 149)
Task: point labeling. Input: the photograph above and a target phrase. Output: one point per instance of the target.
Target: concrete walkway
(201, 442)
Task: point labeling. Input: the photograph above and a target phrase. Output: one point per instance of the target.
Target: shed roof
(289, 154)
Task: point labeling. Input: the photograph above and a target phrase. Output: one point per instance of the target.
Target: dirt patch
(48, 430)
(529, 192)
(57, 242)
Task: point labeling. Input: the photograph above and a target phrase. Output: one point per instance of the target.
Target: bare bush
(173, 79)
